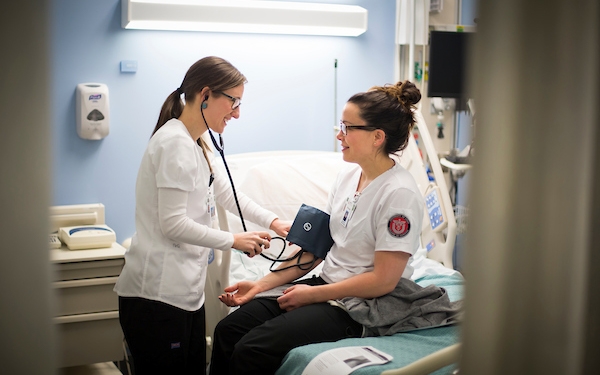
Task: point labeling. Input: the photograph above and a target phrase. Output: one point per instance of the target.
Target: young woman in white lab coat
(161, 287)
(376, 213)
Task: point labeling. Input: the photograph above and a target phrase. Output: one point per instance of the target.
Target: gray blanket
(408, 307)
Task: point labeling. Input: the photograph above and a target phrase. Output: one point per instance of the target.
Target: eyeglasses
(236, 102)
(345, 127)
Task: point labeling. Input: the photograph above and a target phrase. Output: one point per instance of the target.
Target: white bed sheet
(245, 268)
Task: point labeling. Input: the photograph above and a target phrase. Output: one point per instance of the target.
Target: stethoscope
(303, 266)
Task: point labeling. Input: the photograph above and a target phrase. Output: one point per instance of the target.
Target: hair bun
(404, 92)
(409, 94)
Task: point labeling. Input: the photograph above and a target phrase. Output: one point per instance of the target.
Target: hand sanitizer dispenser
(92, 110)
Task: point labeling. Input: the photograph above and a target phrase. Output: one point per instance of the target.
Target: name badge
(349, 209)
(211, 204)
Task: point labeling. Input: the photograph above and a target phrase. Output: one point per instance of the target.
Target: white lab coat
(168, 257)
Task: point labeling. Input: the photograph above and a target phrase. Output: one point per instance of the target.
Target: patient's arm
(244, 291)
(388, 269)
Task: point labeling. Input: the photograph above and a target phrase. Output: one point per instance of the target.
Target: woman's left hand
(281, 227)
(240, 293)
(296, 296)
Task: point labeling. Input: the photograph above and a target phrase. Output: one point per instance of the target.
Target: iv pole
(336, 128)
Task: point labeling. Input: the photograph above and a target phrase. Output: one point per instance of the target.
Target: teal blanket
(404, 347)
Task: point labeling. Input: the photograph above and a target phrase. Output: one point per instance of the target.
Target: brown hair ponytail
(171, 108)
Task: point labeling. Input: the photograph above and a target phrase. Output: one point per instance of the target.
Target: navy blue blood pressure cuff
(310, 231)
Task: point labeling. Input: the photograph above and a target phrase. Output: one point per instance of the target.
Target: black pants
(163, 339)
(255, 338)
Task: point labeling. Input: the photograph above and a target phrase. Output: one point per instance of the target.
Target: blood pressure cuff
(310, 231)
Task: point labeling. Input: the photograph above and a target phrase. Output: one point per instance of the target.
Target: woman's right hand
(240, 293)
(251, 243)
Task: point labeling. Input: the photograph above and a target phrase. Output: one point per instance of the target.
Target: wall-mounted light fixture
(244, 16)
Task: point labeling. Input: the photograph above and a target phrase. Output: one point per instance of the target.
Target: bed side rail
(430, 363)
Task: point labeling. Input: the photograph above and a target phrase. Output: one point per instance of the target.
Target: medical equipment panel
(87, 236)
(437, 237)
(435, 210)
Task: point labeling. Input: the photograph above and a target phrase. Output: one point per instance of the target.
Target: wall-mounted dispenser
(92, 110)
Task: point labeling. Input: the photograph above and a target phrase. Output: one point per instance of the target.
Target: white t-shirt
(168, 256)
(387, 216)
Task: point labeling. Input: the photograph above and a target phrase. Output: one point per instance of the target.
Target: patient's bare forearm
(285, 276)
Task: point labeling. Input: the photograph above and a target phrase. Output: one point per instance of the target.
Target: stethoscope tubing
(237, 203)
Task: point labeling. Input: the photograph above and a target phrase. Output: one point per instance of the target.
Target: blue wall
(288, 101)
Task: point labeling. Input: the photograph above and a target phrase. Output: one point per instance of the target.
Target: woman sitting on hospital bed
(376, 213)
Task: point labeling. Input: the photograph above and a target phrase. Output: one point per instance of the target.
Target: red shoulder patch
(399, 225)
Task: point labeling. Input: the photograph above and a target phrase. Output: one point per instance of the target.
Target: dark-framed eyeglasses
(345, 127)
(236, 102)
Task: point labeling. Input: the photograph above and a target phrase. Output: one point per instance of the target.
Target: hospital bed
(282, 181)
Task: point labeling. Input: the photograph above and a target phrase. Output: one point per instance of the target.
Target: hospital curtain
(532, 251)
(26, 307)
